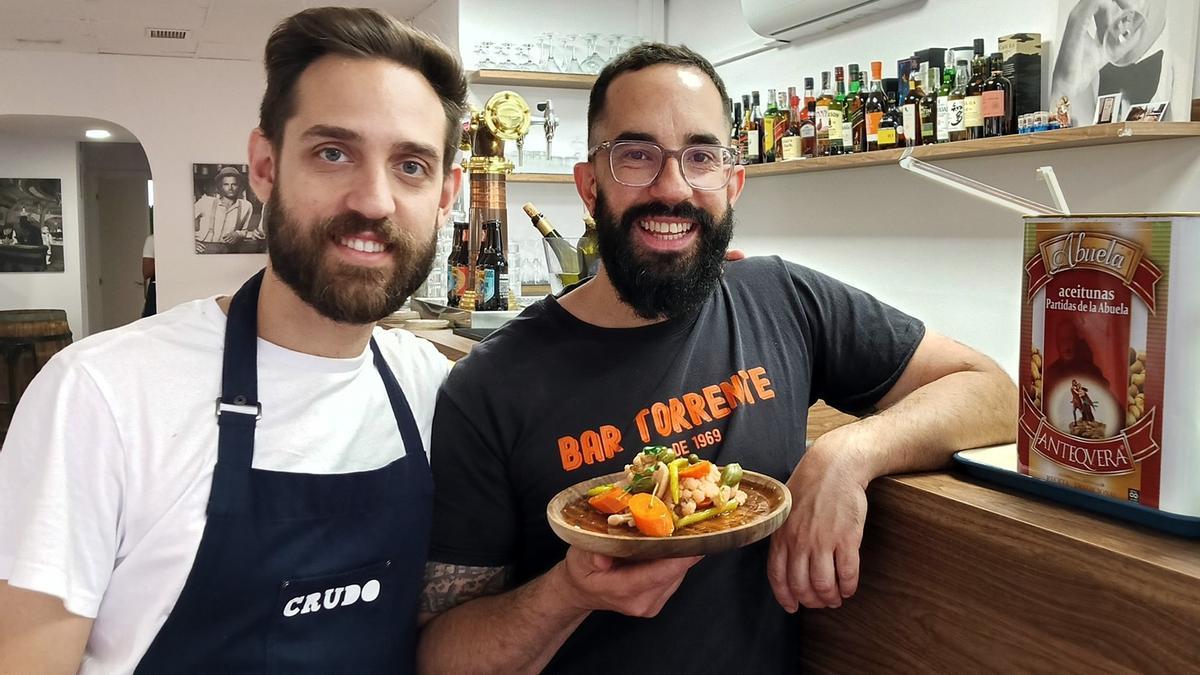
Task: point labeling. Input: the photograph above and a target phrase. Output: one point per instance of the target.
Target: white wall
(949, 259)
(182, 111)
(25, 157)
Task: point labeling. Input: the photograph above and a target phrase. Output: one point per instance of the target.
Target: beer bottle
(458, 264)
(491, 271)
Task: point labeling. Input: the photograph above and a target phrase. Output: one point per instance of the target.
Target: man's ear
(451, 185)
(736, 182)
(585, 184)
(262, 165)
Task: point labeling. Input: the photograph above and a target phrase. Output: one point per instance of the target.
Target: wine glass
(485, 55)
(593, 63)
(573, 65)
(506, 61)
(545, 52)
(524, 61)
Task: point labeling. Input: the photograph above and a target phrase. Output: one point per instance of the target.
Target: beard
(339, 291)
(659, 284)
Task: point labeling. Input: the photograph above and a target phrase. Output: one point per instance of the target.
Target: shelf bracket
(975, 188)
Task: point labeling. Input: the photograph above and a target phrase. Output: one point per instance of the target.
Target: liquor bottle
(589, 248)
(791, 138)
(783, 120)
(958, 98)
(744, 132)
(837, 113)
(929, 106)
(541, 222)
(458, 264)
(997, 101)
(808, 131)
(491, 271)
(858, 120)
(822, 118)
(910, 112)
(844, 103)
(754, 131)
(973, 103)
(808, 93)
(770, 118)
(735, 130)
(943, 106)
(876, 105)
(891, 126)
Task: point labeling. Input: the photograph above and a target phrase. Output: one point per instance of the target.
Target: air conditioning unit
(789, 20)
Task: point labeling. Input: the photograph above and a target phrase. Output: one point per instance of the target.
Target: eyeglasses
(639, 163)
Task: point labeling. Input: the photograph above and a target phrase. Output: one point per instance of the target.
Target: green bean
(701, 516)
(673, 476)
(600, 489)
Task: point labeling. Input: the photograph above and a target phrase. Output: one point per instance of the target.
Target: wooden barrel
(28, 338)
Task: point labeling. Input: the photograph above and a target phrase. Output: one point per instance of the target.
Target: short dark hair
(643, 56)
(305, 37)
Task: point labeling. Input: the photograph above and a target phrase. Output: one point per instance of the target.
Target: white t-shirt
(107, 468)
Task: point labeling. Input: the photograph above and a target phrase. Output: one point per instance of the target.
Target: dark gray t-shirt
(549, 401)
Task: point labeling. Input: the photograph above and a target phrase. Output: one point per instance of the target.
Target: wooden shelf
(1100, 134)
(540, 178)
(524, 78)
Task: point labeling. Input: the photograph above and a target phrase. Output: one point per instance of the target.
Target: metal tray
(999, 465)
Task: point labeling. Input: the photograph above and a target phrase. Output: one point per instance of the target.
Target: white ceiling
(57, 126)
(218, 29)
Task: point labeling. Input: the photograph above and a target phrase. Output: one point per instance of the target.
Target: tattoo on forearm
(447, 586)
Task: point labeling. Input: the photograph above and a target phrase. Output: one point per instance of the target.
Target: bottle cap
(530, 210)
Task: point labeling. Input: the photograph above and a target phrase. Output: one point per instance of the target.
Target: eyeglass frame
(667, 154)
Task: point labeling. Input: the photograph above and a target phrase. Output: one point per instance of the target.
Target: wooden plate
(581, 526)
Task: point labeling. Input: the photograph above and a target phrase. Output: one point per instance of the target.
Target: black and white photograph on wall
(226, 214)
(31, 225)
(1144, 50)
(1108, 109)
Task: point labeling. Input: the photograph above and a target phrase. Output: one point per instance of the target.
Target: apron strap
(238, 408)
(400, 408)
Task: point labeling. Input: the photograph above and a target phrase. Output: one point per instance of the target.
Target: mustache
(685, 210)
(350, 223)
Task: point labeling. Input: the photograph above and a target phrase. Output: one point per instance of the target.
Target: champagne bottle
(589, 247)
(540, 222)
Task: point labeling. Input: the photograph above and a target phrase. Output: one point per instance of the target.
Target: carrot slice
(698, 470)
(612, 500)
(651, 515)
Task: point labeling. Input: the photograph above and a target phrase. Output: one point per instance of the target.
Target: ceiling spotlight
(97, 133)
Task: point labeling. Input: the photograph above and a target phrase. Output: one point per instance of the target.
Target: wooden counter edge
(1080, 530)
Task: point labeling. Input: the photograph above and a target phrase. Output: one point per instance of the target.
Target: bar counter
(962, 576)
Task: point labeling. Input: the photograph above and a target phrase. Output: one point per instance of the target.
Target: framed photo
(226, 214)
(1158, 111)
(31, 225)
(1138, 112)
(1108, 109)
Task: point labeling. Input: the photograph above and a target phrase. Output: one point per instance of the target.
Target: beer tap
(549, 122)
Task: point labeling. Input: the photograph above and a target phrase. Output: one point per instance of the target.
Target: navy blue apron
(299, 572)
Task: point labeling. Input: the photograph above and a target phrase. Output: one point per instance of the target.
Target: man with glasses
(670, 345)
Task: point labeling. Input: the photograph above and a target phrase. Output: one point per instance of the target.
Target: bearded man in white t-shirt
(240, 483)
